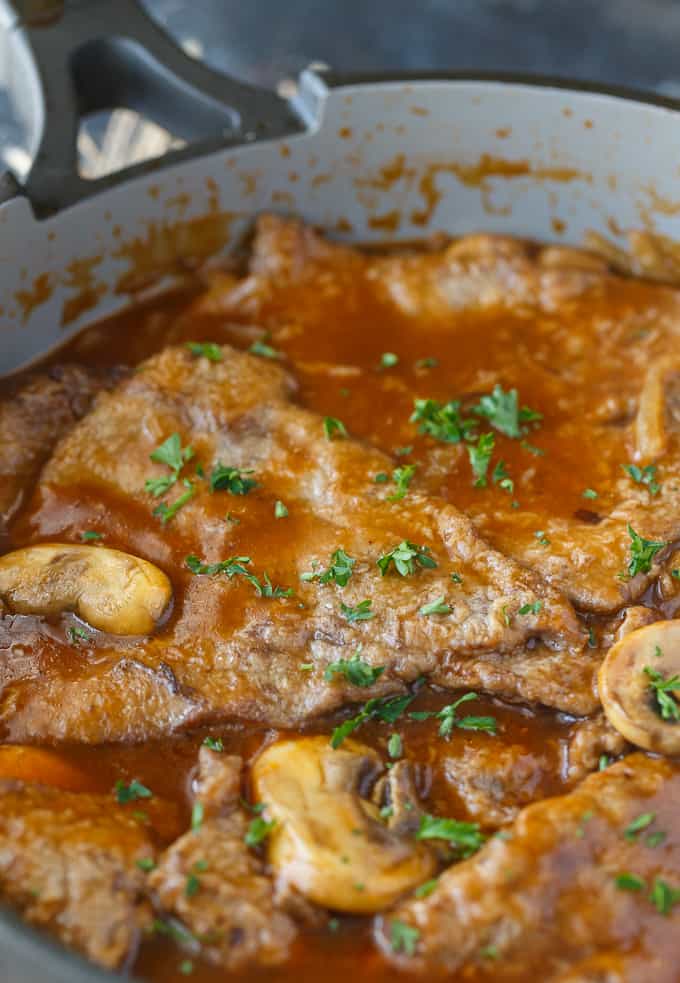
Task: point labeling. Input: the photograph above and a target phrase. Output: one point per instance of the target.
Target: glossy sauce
(316, 335)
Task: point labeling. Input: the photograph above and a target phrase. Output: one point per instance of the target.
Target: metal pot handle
(90, 55)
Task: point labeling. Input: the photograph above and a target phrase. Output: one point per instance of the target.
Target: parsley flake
(531, 608)
(197, 816)
(442, 421)
(426, 889)
(402, 477)
(403, 938)
(384, 708)
(667, 706)
(642, 552)
(174, 456)
(644, 476)
(388, 360)
(232, 480)
(213, 743)
(629, 882)
(339, 570)
(205, 349)
(280, 510)
(262, 348)
(89, 536)
(439, 606)
(663, 896)
(132, 792)
(589, 493)
(502, 411)
(406, 557)
(167, 512)
(480, 457)
(394, 746)
(332, 427)
(258, 831)
(355, 670)
(465, 838)
(360, 612)
(638, 824)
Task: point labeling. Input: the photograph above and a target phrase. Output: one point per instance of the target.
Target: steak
(595, 348)
(215, 885)
(68, 864)
(33, 416)
(574, 890)
(229, 650)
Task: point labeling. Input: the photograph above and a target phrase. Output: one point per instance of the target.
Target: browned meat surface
(587, 349)
(34, 414)
(547, 900)
(68, 863)
(228, 653)
(494, 783)
(592, 744)
(215, 885)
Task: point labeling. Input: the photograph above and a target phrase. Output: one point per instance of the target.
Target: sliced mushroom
(631, 683)
(651, 422)
(113, 591)
(329, 842)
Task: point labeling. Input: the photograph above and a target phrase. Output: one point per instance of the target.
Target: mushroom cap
(628, 695)
(329, 842)
(110, 590)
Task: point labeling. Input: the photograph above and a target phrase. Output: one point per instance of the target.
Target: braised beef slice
(215, 884)
(34, 414)
(546, 901)
(599, 351)
(234, 654)
(68, 864)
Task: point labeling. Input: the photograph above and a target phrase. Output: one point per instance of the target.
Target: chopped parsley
(77, 635)
(174, 456)
(629, 882)
(355, 670)
(502, 411)
(146, 864)
(406, 557)
(666, 705)
(192, 885)
(360, 612)
(205, 349)
(384, 708)
(402, 477)
(589, 493)
(167, 512)
(395, 747)
(261, 347)
(132, 792)
(403, 451)
(332, 427)
(388, 360)
(464, 838)
(501, 477)
(592, 638)
(436, 607)
(641, 822)
(542, 538)
(531, 608)
(381, 478)
(89, 536)
(280, 510)
(604, 762)
(644, 476)
(233, 567)
(480, 457)
(450, 719)
(456, 578)
(186, 967)
(442, 420)
(339, 570)
(197, 816)
(427, 363)
(232, 480)
(258, 831)
(403, 937)
(663, 896)
(426, 889)
(642, 552)
(213, 743)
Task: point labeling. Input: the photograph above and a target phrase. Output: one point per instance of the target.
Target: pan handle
(90, 55)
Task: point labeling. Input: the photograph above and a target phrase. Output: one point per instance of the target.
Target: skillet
(368, 159)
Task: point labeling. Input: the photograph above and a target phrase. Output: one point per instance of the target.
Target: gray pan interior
(366, 160)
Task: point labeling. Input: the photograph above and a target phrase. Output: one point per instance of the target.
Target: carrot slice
(31, 764)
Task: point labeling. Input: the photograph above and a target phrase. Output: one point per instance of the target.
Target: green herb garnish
(232, 480)
(132, 792)
(360, 612)
(480, 456)
(406, 557)
(333, 427)
(205, 349)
